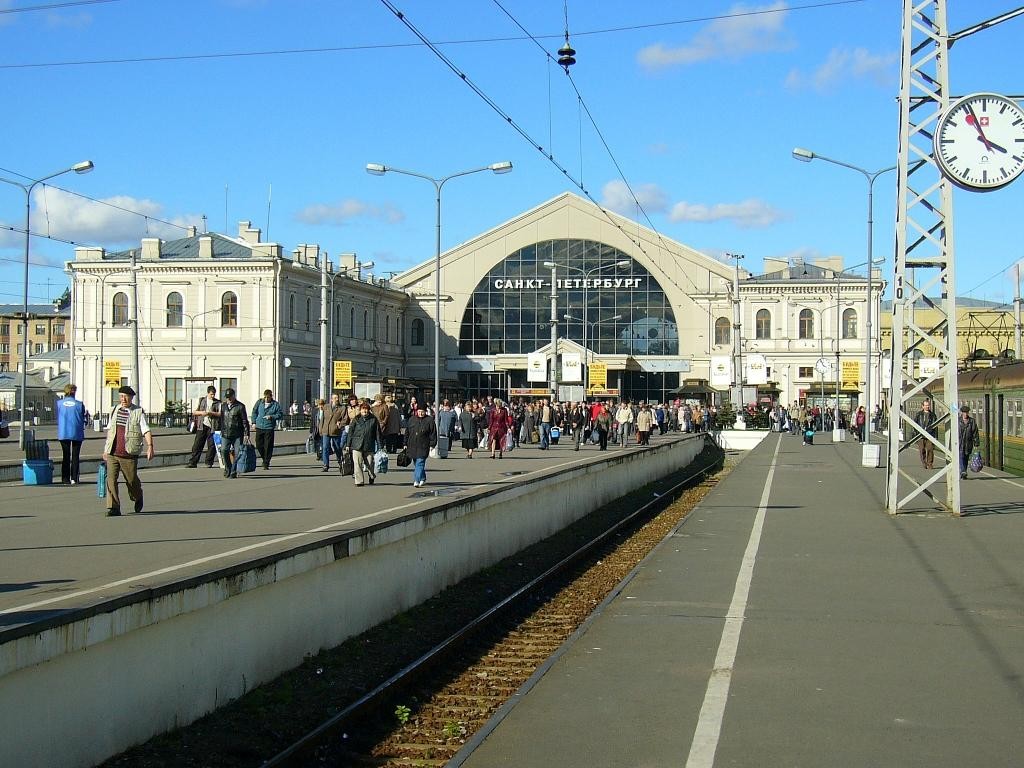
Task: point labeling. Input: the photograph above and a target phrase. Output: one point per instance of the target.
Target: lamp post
(84, 167)
(376, 169)
(806, 156)
(192, 336)
(737, 325)
(593, 334)
(621, 264)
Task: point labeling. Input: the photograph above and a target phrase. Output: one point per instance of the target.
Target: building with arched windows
(233, 310)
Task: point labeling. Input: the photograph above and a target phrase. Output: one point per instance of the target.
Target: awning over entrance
(693, 388)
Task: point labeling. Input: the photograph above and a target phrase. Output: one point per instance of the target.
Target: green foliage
(726, 416)
(402, 713)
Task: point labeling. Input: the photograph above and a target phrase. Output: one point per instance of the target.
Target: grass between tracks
(265, 721)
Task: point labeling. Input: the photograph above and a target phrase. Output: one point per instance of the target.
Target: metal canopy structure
(924, 259)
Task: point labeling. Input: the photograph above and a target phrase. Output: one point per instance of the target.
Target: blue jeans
(545, 434)
(419, 470)
(328, 446)
(227, 445)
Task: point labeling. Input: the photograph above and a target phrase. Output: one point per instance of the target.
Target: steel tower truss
(923, 264)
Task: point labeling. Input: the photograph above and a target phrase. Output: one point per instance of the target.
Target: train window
(1019, 428)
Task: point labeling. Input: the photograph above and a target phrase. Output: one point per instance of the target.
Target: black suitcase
(348, 466)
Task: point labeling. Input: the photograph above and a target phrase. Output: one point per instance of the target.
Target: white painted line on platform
(712, 711)
(241, 550)
(1004, 479)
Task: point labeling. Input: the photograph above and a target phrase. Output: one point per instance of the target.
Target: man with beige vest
(126, 432)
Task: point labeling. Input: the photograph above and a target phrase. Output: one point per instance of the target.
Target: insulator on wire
(566, 55)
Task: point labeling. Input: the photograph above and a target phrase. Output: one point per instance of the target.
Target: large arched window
(763, 324)
(723, 331)
(416, 333)
(120, 305)
(366, 324)
(508, 311)
(387, 329)
(174, 310)
(229, 310)
(850, 324)
(806, 324)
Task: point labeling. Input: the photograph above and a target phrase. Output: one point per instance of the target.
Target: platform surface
(790, 621)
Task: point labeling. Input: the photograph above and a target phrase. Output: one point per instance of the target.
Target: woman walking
(497, 427)
(467, 425)
(420, 437)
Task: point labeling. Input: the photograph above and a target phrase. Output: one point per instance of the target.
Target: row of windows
(763, 326)
(37, 349)
(58, 329)
(1013, 424)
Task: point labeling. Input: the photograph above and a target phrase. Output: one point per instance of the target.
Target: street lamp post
(621, 264)
(192, 336)
(806, 156)
(737, 348)
(377, 169)
(83, 167)
(327, 361)
(593, 334)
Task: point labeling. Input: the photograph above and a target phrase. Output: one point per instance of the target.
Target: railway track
(425, 713)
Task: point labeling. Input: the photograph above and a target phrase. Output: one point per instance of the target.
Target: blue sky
(700, 103)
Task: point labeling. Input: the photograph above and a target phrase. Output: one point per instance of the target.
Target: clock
(822, 366)
(979, 142)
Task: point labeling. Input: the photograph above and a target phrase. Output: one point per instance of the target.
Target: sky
(269, 111)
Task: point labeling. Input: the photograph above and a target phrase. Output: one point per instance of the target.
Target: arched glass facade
(510, 309)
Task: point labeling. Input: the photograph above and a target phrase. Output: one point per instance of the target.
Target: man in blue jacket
(265, 415)
(71, 418)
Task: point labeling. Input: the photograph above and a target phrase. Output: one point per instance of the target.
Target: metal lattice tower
(924, 263)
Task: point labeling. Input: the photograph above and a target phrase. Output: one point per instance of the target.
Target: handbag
(403, 459)
(193, 426)
(975, 463)
(380, 462)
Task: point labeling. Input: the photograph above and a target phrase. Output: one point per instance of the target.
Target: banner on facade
(536, 366)
(886, 372)
(757, 370)
(929, 366)
(529, 392)
(342, 374)
(721, 371)
(598, 376)
(111, 374)
(849, 374)
(572, 368)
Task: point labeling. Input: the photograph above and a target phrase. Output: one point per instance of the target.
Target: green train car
(996, 398)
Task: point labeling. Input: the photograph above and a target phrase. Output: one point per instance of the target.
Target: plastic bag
(380, 462)
(975, 463)
(101, 480)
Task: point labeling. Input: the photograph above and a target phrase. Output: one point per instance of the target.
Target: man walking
(71, 433)
(623, 418)
(363, 438)
(206, 414)
(969, 438)
(234, 427)
(265, 415)
(335, 420)
(546, 417)
(926, 419)
(126, 432)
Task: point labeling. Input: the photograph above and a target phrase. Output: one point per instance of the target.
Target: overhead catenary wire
(379, 46)
(54, 6)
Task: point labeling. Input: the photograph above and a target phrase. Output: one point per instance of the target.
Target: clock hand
(972, 119)
(992, 145)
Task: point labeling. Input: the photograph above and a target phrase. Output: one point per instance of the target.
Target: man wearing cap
(126, 433)
(234, 429)
(207, 412)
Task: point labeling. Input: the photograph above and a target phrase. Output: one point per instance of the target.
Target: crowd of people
(804, 419)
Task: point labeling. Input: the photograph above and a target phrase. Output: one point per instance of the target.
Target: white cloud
(61, 214)
(746, 30)
(845, 65)
(748, 214)
(342, 212)
(659, 148)
(615, 196)
(68, 20)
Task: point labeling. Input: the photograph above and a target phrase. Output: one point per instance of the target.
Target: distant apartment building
(47, 331)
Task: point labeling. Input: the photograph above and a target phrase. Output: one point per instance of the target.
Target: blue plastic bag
(101, 480)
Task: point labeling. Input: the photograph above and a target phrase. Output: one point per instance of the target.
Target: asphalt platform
(790, 621)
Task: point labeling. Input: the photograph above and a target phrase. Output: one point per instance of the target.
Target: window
(417, 333)
(806, 324)
(37, 349)
(5, 329)
(174, 310)
(58, 329)
(850, 324)
(20, 347)
(40, 329)
(366, 323)
(337, 320)
(5, 349)
(291, 311)
(228, 310)
(120, 305)
(723, 331)
(174, 392)
(352, 322)
(763, 324)
(225, 384)
(805, 372)
(387, 329)
(309, 314)
(21, 329)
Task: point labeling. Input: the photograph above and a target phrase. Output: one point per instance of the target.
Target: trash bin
(555, 434)
(37, 471)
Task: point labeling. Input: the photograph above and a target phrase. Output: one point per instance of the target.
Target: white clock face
(979, 142)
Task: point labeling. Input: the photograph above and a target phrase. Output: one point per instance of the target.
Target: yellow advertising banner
(111, 373)
(849, 374)
(342, 374)
(599, 376)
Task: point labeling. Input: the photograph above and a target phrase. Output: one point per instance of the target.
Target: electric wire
(996, 274)
(385, 46)
(54, 6)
